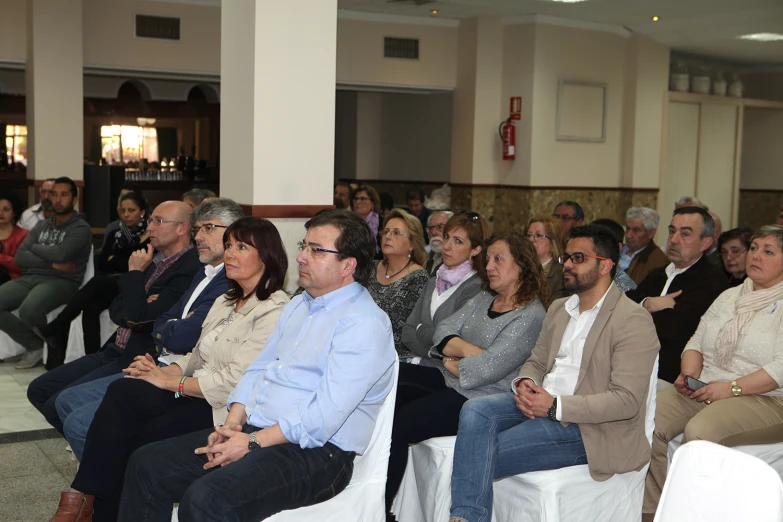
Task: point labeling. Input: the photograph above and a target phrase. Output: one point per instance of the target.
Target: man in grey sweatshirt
(53, 259)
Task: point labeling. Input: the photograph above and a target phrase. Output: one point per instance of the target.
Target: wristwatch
(253, 445)
(736, 389)
(552, 413)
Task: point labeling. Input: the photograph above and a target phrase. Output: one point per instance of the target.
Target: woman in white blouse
(457, 280)
(738, 351)
(192, 393)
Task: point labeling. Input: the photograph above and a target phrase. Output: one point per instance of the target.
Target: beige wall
(13, 31)
(360, 55)
(762, 155)
(576, 54)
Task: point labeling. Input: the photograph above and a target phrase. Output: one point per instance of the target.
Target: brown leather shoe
(74, 507)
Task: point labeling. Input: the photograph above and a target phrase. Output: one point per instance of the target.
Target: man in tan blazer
(579, 399)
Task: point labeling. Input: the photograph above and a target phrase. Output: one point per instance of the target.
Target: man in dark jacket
(53, 259)
(679, 294)
(155, 281)
(176, 331)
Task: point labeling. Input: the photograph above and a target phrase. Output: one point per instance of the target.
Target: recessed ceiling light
(567, 1)
(434, 11)
(762, 37)
(655, 18)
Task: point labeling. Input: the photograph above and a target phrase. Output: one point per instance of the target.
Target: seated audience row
(53, 259)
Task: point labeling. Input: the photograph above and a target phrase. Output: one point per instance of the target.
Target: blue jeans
(76, 406)
(495, 440)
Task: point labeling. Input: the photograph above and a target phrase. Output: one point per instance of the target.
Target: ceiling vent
(159, 27)
(407, 48)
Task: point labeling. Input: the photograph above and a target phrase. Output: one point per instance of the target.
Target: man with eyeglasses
(434, 229)
(156, 279)
(302, 410)
(678, 294)
(579, 399)
(570, 213)
(176, 331)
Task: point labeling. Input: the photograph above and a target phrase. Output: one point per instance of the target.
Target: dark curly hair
(16, 204)
(356, 240)
(262, 235)
(532, 281)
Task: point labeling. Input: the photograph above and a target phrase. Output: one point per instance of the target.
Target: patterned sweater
(398, 299)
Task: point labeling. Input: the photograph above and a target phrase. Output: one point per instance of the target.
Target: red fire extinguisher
(508, 134)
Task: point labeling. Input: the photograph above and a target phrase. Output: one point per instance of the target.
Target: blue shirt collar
(332, 299)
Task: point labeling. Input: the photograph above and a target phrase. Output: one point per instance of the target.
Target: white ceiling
(702, 27)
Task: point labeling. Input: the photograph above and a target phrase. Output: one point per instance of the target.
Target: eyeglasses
(207, 227)
(396, 232)
(314, 250)
(563, 217)
(537, 237)
(473, 216)
(734, 252)
(439, 228)
(158, 222)
(578, 258)
(361, 199)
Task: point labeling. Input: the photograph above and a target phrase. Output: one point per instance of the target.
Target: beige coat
(236, 347)
(609, 402)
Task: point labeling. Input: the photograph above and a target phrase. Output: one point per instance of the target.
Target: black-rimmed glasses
(578, 258)
(207, 227)
(314, 250)
(158, 221)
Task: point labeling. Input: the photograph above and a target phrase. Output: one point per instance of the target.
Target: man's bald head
(169, 227)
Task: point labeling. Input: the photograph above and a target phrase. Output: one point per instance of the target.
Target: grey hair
(693, 200)
(447, 213)
(649, 217)
(198, 195)
(775, 231)
(224, 209)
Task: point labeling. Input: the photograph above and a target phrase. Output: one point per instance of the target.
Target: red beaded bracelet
(181, 392)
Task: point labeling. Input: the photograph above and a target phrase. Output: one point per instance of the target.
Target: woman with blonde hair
(400, 276)
(545, 233)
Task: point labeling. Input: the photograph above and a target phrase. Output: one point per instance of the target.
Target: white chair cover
(711, 483)
(772, 454)
(546, 496)
(10, 348)
(363, 499)
(75, 347)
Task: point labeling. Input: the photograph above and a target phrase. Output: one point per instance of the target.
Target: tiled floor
(34, 465)
(16, 413)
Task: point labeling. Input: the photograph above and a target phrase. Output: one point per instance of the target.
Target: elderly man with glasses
(434, 229)
(156, 279)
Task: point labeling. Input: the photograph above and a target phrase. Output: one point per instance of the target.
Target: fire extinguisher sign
(515, 108)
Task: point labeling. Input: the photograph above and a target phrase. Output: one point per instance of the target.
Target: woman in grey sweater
(481, 347)
(458, 279)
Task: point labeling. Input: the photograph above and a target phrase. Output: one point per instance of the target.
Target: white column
(54, 89)
(278, 63)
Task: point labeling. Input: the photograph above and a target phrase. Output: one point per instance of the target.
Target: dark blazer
(700, 285)
(179, 335)
(650, 258)
(554, 280)
(131, 310)
(609, 402)
(418, 339)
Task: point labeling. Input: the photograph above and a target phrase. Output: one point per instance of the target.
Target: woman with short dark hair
(191, 394)
(733, 247)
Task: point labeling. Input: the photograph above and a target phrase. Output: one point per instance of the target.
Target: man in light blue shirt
(302, 410)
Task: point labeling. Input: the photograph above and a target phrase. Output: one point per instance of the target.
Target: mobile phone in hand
(694, 384)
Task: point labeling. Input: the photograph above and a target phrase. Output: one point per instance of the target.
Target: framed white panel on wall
(581, 111)
(715, 183)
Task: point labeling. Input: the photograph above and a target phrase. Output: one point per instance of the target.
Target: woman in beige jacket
(190, 394)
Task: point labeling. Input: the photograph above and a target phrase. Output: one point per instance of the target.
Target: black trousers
(255, 487)
(133, 413)
(91, 300)
(44, 390)
(425, 408)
